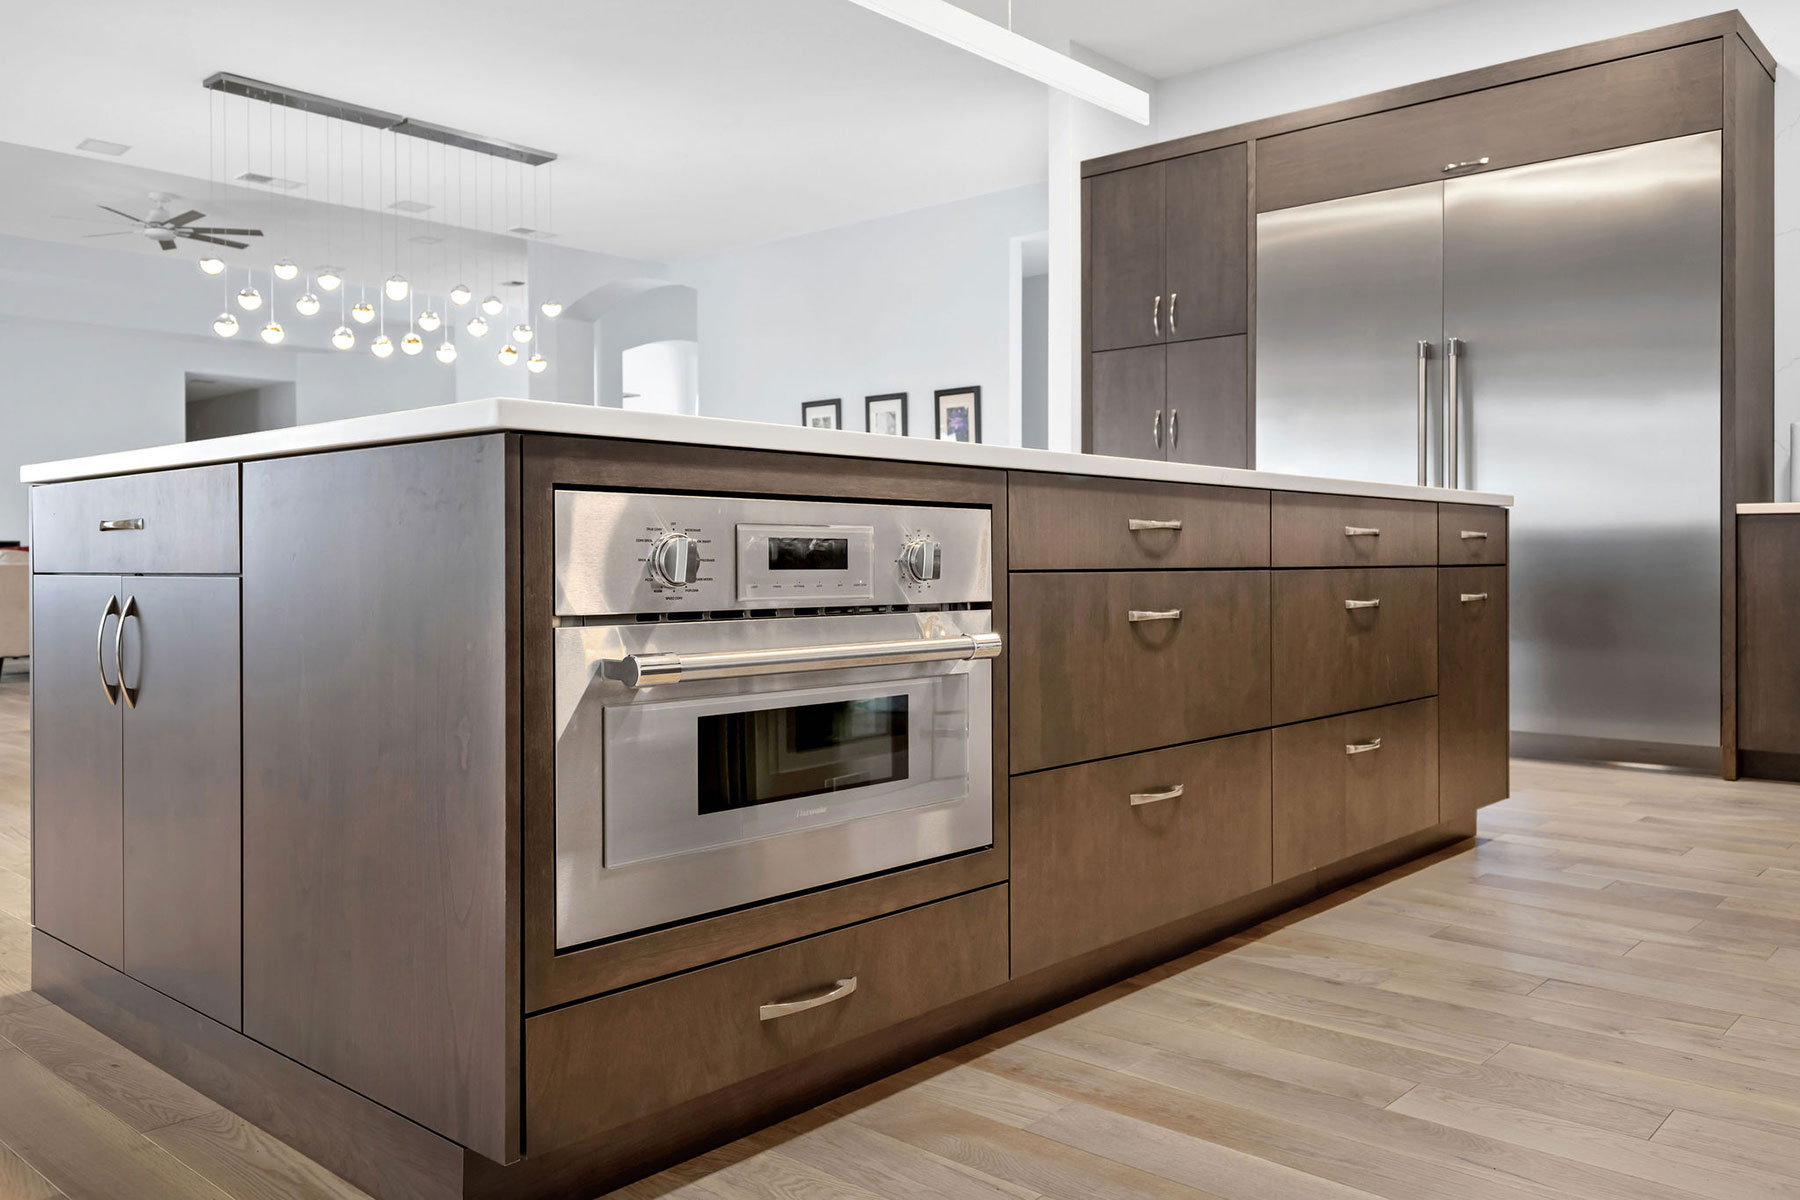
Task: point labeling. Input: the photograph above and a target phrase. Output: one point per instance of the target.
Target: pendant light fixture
(396, 287)
(307, 305)
(412, 343)
(249, 299)
(225, 325)
(509, 354)
(521, 333)
(330, 278)
(286, 270)
(272, 333)
(343, 338)
(493, 306)
(429, 320)
(381, 347)
(362, 312)
(446, 353)
(551, 308)
(476, 326)
(461, 295)
(536, 364)
(212, 264)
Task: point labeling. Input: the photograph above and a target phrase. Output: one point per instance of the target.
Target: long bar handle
(1156, 428)
(649, 670)
(1139, 524)
(1174, 427)
(1173, 296)
(1361, 531)
(111, 610)
(787, 1008)
(1173, 792)
(1424, 439)
(1139, 615)
(1452, 405)
(131, 610)
(1362, 747)
(1362, 604)
(1472, 597)
(121, 525)
(1156, 317)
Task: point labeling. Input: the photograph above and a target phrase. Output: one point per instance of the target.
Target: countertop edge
(1768, 508)
(506, 414)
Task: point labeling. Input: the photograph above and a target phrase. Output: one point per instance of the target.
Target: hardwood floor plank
(247, 1163)
(1734, 1142)
(1615, 1001)
(19, 1180)
(102, 1070)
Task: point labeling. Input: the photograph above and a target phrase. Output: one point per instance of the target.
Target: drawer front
(1070, 523)
(596, 1065)
(1622, 103)
(1469, 534)
(1306, 530)
(1348, 784)
(1472, 690)
(1106, 850)
(1089, 681)
(162, 523)
(1334, 651)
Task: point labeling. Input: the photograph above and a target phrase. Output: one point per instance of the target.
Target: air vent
(97, 146)
(268, 181)
(410, 206)
(527, 231)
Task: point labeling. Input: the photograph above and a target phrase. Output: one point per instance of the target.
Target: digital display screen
(809, 554)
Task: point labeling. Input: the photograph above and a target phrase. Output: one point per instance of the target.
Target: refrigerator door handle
(1424, 444)
(1452, 403)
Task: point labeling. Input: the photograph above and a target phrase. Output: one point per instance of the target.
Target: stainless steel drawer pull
(1361, 531)
(1362, 747)
(1153, 614)
(1173, 793)
(1473, 534)
(1467, 163)
(1139, 524)
(121, 525)
(648, 670)
(1472, 597)
(1362, 604)
(787, 1008)
(130, 693)
(111, 610)
(1156, 317)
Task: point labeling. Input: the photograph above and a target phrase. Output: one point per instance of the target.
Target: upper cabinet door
(1206, 205)
(1126, 259)
(1208, 419)
(1127, 413)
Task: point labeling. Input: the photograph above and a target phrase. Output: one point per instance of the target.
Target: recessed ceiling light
(512, 283)
(414, 206)
(425, 239)
(268, 181)
(98, 146)
(528, 232)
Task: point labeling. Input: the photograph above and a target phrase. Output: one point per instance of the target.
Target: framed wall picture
(959, 414)
(822, 414)
(886, 413)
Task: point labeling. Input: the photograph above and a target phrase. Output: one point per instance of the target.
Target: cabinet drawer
(1306, 530)
(1472, 692)
(1071, 523)
(162, 523)
(1471, 533)
(1334, 651)
(1108, 663)
(595, 1065)
(1105, 850)
(1348, 784)
(1645, 98)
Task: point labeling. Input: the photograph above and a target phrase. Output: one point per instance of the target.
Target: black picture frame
(810, 408)
(893, 399)
(962, 397)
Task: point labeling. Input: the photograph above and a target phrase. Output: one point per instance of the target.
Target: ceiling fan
(164, 230)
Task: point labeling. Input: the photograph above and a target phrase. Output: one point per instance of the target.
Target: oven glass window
(773, 754)
(809, 554)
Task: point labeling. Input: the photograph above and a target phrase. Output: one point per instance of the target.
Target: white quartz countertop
(541, 416)
(1768, 508)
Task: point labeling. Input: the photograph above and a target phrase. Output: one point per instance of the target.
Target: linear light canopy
(964, 30)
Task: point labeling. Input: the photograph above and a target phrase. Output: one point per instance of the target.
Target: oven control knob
(922, 559)
(675, 560)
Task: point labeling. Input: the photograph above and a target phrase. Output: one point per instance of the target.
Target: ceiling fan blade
(222, 230)
(192, 214)
(212, 241)
(109, 233)
(126, 215)
(167, 243)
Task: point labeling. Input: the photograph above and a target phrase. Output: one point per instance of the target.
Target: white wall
(911, 303)
(1462, 37)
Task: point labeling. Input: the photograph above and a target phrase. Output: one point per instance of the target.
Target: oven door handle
(649, 670)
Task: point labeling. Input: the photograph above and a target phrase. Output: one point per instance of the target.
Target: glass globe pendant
(396, 287)
(212, 264)
(342, 338)
(476, 327)
(412, 343)
(285, 269)
(225, 325)
(272, 333)
(329, 278)
(551, 308)
(521, 333)
(249, 299)
(446, 353)
(429, 321)
(536, 364)
(509, 354)
(492, 306)
(381, 347)
(461, 295)
(362, 312)
(307, 305)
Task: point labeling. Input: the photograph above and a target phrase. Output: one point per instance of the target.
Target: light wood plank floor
(1600, 999)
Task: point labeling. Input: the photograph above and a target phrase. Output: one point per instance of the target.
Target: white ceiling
(682, 125)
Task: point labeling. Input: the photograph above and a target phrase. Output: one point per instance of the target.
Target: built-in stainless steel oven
(760, 697)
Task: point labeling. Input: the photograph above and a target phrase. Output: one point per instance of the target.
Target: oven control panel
(624, 553)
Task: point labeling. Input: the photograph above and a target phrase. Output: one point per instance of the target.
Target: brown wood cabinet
(1106, 850)
(181, 522)
(1184, 402)
(1074, 522)
(1768, 664)
(1311, 530)
(1472, 690)
(1347, 639)
(1470, 534)
(1108, 663)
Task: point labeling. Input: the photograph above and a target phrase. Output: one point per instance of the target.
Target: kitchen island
(322, 825)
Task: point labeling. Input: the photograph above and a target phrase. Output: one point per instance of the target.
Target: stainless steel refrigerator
(1552, 331)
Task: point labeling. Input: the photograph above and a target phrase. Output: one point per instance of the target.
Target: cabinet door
(182, 798)
(1125, 259)
(1472, 699)
(1126, 403)
(1206, 230)
(75, 760)
(1209, 403)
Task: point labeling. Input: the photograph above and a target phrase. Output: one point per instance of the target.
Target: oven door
(758, 758)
